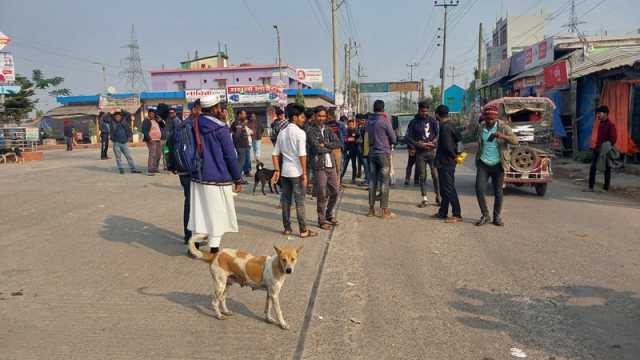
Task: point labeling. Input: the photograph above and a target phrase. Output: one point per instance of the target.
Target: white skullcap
(209, 101)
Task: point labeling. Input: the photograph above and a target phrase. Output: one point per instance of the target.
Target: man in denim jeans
(290, 164)
(381, 138)
(120, 135)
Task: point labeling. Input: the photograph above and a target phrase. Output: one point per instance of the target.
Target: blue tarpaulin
(558, 127)
(587, 93)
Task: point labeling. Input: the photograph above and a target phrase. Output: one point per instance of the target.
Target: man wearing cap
(606, 136)
(494, 140)
(213, 210)
(120, 135)
(446, 153)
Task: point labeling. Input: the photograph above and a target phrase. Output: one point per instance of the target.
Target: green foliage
(435, 95)
(231, 113)
(93, 131)
(19, 105)
(299, 97)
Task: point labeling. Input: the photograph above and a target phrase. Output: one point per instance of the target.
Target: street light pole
(279, 53)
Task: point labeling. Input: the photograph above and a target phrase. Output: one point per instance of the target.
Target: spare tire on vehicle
(523, 158)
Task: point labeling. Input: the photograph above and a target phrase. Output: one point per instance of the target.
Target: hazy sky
(64, 37)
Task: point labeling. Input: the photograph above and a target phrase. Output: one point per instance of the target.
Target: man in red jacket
(606, 133)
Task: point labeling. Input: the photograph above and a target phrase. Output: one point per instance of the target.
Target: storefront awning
(538, 71)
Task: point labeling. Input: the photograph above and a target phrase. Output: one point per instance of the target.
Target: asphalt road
(92, 267)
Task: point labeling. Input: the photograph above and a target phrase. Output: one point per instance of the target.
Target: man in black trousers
(445, 162)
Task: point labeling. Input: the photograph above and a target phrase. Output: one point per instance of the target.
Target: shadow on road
(200, 302)
(139, 233)
(577, 322)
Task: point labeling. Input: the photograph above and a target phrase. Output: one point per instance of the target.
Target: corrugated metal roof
(605, 60)
(78, 110)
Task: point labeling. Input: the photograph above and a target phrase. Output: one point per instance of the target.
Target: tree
(231, 114)
(299, 97)
(18, 105)
(435, 95)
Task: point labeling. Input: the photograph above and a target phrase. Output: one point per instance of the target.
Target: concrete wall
(523, 31)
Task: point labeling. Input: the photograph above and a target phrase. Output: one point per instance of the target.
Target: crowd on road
(312, 151)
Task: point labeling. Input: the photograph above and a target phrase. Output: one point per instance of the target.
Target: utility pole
(443, 70)
(360, 75)
(453, 74)
(104, 76)
(411, 66)
(479, 70)
(347, 55)
(279, 53)
(334, 40)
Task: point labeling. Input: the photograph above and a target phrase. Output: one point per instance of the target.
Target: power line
(319, 17)
(594, 7)
(253, 16)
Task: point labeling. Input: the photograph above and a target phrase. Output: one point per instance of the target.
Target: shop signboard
(517, 63)
(194, 94)
(32, 134)
(538, 54)
(556, 75)
(109, 103)
(380, 87)
(7, 70)
(253, 94)
(499, 70)
(405, 86)
(309, 75)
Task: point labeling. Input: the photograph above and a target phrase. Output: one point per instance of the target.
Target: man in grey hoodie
(381, 138)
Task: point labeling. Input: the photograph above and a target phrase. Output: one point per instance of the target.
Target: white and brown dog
(230, 266)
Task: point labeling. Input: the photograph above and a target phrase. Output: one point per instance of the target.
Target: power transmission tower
(574, 21)
(133, 73)
(445, 4)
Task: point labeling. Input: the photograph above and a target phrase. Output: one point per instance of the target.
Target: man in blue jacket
(120, 135)
(381, 138)
(213, 210)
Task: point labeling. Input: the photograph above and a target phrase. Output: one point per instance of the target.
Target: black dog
(264, 176)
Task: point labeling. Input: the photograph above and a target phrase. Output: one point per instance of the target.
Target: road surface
(92, 266)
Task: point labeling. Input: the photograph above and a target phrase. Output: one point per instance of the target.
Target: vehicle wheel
(541, 189)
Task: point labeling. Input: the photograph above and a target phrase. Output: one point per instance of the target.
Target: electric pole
(479, 70)
(443, 70)
(104, 76)
(411, 66)
(334, 40)
(360, 75)
(279, 53)
(347, 55)
(453, 74)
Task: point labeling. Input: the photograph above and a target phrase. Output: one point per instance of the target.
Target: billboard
(309, 75)
(194, 94)
(538, 54)
(7, 70)
(556, 75)
(253, 94)
(4, 40)
(382, 87)
(109, 103)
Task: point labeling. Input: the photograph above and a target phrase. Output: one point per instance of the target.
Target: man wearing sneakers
(120, 135)
(290, 164)
(422, 135)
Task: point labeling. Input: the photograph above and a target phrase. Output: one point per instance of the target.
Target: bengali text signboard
(110, 104)
(194, 94)
(309, 75)
(253, 94)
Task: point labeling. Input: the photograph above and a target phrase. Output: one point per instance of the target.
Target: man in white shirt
(290, 164)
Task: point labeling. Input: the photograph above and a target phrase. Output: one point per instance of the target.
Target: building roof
(205, 58)
(536, 71)
(220, 69)
(605, 60)
(73, 110)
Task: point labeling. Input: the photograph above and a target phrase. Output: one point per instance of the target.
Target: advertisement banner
(309, 75)
(539, 54)
(556, 75)
(194, 94)
(517, 63)
(7, 69)
(253, 94)
(109, 103)
(374, 87)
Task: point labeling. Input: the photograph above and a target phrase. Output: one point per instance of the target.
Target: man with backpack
(216, 176)
(175, 134)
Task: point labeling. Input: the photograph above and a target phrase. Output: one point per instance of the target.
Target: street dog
(229, 266)
(264, 176)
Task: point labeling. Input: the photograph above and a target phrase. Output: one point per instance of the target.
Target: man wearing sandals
(322, 142)
(290, 151)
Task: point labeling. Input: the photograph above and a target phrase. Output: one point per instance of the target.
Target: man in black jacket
(240, 132)
(446, 153)
(422, 135)
(322, 142)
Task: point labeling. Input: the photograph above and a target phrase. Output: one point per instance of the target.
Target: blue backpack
(186, 153)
